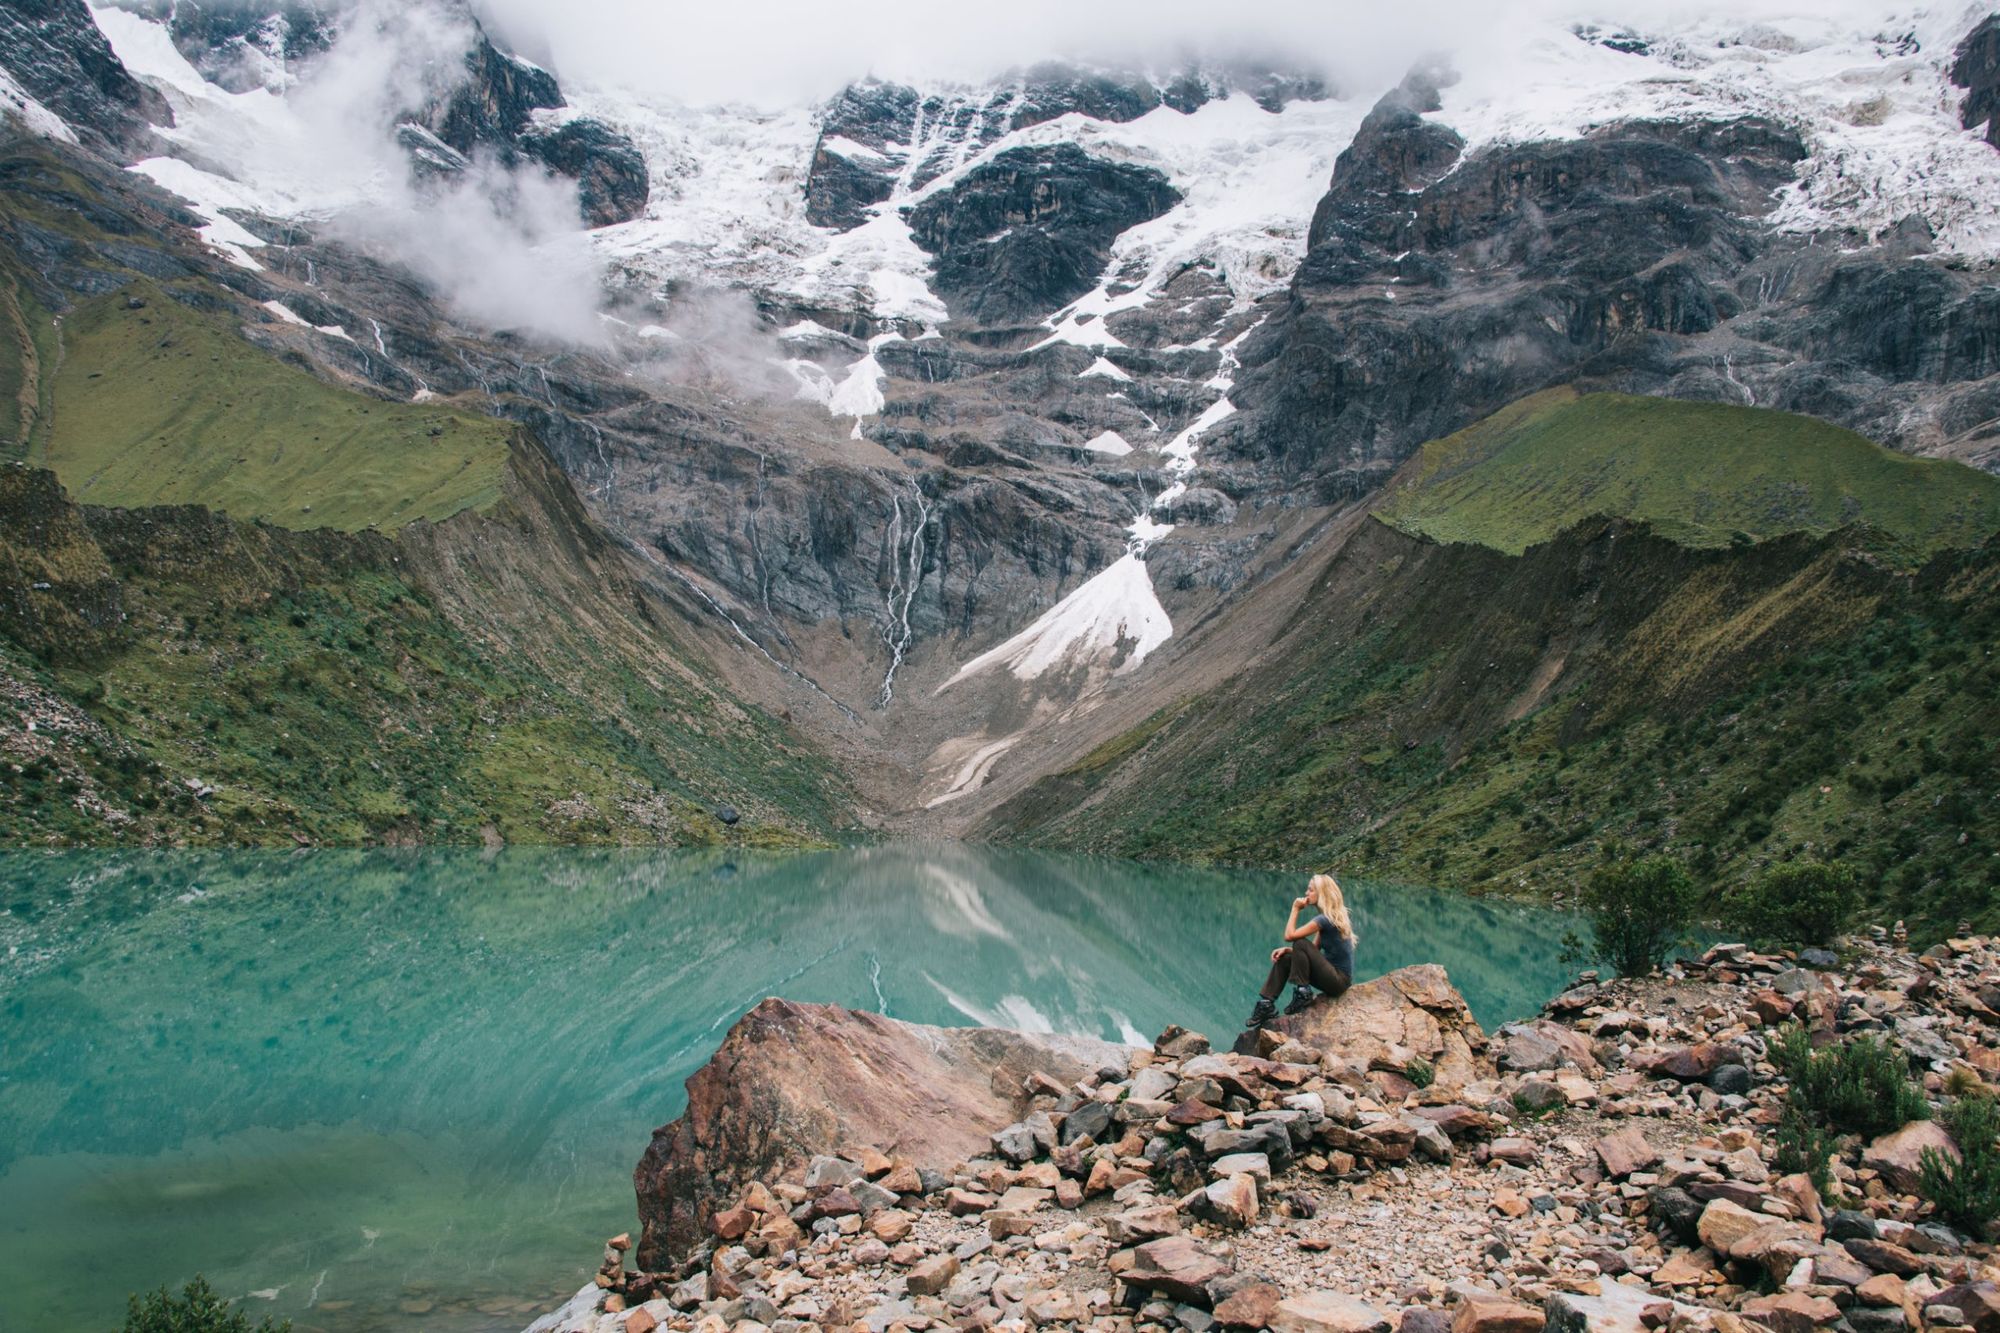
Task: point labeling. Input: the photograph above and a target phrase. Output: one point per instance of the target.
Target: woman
(1318, 954)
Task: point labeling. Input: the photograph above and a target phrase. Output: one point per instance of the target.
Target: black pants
(1303, 964)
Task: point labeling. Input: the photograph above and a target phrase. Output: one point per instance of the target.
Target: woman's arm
(1293, 930)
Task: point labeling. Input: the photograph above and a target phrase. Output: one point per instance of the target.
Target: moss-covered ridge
(1703, 474)
(157, 402)
(1463, 714)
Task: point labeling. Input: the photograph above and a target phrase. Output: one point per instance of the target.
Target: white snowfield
(1117, 607)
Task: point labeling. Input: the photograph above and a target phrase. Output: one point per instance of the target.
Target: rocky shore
(1376, 1162)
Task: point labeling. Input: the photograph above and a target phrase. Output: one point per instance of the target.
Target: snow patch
(207, 194)
(972, 773)
(291, 316)
(1108, 442)
(38, 118)
(1116, 606)
(1104, 368)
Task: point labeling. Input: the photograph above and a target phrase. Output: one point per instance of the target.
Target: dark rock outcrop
(492, 104)
(794, 1080)
(842, 186)
(492, 110)
(608, 168)
(53, 49)
(1976, 69)
(1031, 231)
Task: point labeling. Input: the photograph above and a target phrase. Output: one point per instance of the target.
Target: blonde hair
(1325, 892)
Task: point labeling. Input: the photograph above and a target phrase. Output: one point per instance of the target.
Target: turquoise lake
(405, 1090)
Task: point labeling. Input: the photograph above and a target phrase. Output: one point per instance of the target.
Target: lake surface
(405, 1090)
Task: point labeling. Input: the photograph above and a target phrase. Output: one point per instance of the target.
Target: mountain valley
(1435, 470)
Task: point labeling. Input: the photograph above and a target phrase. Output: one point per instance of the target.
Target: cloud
(770, 51)
(780, 51)
(500, 245)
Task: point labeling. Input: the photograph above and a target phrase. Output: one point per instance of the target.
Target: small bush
(1799, 902)
(1967, 1191)
(1638, 911)
(1806, 1147)
(196, 1310)
(1859, 1086)
(1419, 1072)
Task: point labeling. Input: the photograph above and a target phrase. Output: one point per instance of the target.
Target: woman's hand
(1298, 903)
(1278, 953)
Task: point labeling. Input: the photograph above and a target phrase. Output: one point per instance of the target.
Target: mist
(771, 52)
(501, 246)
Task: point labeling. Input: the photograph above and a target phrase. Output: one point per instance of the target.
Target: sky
(777, 51)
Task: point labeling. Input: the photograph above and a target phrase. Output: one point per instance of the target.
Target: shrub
(1967, 1191)
(1799, 902)
(1859, 1086)
(1419, 1072)
(1638, 910)
(196, 1310)
(1805, 1147)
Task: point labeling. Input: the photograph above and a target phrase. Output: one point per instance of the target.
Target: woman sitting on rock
(1318, 954)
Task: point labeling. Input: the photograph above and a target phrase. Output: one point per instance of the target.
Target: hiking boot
(1262, 1012)
(1301, 997)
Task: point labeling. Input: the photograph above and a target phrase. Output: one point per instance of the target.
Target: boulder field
(1375, 1163)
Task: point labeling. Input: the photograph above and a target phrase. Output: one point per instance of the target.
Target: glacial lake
(405, 1090)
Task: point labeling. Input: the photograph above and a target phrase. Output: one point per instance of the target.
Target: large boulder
(1412, 1013)
(794, 1080)
(1899, 1156)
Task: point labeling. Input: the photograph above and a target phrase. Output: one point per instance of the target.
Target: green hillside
(160, 403)
(1703, 474)
(1474, 696)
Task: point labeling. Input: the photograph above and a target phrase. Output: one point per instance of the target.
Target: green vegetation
(164, 403)
(351, 709)
(1807, 1148)
(28, 346)
(1704, 474)
(1453, 715)
(1800, 902)
(1857, 1086)
(196, 1310)
(1420, 1072)
(1967, 1191)
(1638, 910)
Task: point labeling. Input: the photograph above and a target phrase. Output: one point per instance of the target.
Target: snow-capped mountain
(963, 403)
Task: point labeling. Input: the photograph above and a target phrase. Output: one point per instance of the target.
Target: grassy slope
(1704, 474)
(160, 405)
(1460, 716)
(331, 693)
(492, 671)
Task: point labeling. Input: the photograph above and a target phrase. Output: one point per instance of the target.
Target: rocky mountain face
(56, 55)
(966, 413)
(1439, 286)
(1030, 230)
